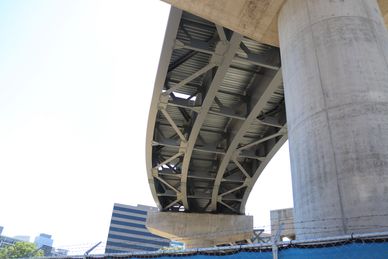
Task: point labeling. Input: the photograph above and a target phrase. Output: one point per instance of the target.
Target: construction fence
(352, 246)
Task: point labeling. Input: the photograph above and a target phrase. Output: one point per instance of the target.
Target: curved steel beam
(260, 98)
(260, 169)
(223, 56)
(167, 49)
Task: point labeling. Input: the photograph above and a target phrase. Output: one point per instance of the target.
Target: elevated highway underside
(218, 114)
(257, 19)
(217, 117)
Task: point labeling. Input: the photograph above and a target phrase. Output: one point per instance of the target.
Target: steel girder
(217, 117)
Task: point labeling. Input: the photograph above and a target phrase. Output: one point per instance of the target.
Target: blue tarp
(248, 255)
(355, 250)
(351, 250)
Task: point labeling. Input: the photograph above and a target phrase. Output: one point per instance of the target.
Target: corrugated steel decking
(217, 117)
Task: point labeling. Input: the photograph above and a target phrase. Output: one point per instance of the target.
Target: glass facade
(128, 233)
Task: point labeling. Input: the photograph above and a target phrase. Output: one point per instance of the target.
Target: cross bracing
(217, 117)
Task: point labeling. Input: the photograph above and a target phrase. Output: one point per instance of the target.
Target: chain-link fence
(374, 245)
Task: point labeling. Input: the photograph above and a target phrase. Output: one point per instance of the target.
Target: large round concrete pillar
(335, 69)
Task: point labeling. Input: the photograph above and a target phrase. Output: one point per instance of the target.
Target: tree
(19, 250)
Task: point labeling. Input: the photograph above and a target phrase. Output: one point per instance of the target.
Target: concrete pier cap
(199, 230)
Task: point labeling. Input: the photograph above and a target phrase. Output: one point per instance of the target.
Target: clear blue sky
(76, 79)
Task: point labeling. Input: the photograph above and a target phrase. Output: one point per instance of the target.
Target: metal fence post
(275, 240)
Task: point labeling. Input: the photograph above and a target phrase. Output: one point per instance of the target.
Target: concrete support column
(199, 230)
(335, 69)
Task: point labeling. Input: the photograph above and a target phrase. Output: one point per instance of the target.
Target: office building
(7, 241)
(43, 240)
(128, 233)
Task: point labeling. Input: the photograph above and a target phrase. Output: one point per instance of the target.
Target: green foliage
(19, 250)
(171, 248)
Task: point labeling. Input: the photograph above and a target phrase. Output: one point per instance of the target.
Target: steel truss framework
(217, 117)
